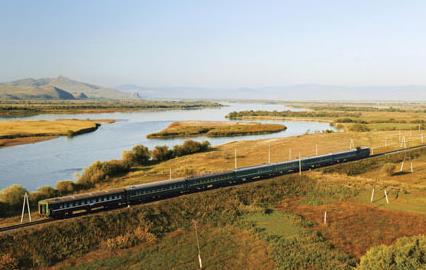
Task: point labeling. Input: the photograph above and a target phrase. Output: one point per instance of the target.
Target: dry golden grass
(215, 129)
(355, 228)
(19, 132)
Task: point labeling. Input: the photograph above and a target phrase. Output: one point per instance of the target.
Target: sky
(215, 43)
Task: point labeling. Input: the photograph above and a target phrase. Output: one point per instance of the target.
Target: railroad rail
(48, 220)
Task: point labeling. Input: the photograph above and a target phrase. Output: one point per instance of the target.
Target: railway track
(24, 225)
(47, 220)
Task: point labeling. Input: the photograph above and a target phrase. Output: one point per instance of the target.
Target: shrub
(407, 253)
(65, 187)
(8, 262)
(143, 235)
(359, 128)
(102, 171)
(389, 169)
(128, 240)
(139, 155)
(13, 195)
(190, 147)
(162, 153)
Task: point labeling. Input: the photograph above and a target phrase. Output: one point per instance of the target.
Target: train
(62, 207)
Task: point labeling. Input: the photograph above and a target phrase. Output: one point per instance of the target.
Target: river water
(44, 163)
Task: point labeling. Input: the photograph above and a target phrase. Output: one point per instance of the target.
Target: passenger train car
(69, 205)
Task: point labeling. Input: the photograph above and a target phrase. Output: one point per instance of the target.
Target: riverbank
(24, 132)
(215, 129)
(16, 108)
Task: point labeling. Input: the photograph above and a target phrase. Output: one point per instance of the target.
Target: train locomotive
(61, 207)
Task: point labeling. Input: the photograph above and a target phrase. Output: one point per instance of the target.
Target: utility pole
(235, 158)
(300, 165)
(170, 174)
(198, 244)
(269, 154)
(351, 144)
(26, 202)
(372, 195)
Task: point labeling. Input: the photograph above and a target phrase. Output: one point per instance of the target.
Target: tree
(162, 153)
(44, 192)
(102, 171)
(139, 155)
(13, 195)
(65, 187)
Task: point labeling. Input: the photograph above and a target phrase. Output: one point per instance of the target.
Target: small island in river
(215, 129)
(22, 132)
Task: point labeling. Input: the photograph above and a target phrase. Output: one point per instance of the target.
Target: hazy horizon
(216, 44)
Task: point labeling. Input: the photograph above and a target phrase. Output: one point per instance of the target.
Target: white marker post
(26, 202)
(372, 195)
(325, 218)
(386, 196)
(170, 174)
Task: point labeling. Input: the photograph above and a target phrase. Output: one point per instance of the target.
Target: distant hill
(47, 92)
(68, 88)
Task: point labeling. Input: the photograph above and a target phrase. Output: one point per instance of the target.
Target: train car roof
(83, 196)
(156, 183)
(296, 160)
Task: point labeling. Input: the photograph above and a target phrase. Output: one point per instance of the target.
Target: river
(44, 163)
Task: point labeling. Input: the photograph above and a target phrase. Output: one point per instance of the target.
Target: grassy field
(20, 132)
(215, 129)
(16, 108)
(349, 116)
(221, 248)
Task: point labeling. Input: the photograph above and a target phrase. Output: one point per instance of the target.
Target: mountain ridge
(62, 87)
